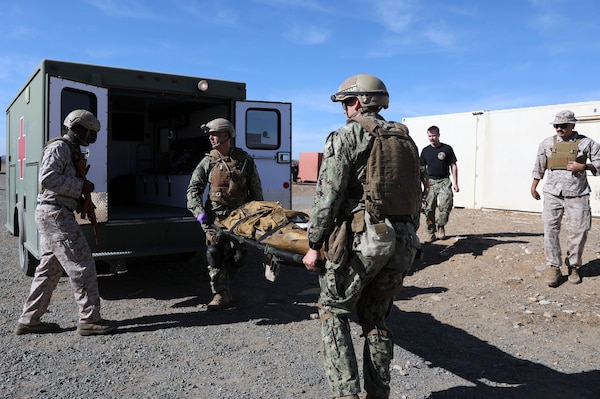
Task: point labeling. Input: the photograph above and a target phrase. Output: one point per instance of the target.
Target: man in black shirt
(440, 161)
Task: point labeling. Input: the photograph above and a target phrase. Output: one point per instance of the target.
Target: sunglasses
(562, 125)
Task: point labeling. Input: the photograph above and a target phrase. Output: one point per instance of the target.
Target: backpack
(228, 182)
(392, 187)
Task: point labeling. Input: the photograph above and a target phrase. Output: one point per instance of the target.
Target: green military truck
(149, 144)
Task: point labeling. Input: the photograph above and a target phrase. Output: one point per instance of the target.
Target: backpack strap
(370, 126)
(367, 123)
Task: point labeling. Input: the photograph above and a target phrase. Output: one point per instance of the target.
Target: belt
(438, 177)
(54, 204)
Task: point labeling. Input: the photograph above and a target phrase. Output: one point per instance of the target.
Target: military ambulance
(148, 146)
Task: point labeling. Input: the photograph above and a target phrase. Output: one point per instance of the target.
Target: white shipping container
(496, 151)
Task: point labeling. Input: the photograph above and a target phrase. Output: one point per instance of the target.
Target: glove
(88, 186)
(202, 218)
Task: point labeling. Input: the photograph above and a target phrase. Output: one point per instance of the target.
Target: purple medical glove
(202, 218)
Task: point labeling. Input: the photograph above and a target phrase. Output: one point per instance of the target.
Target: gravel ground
(474, 321)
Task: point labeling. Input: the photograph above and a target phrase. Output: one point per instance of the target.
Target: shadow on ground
(184, 284)
(491, 373)
(473, 244)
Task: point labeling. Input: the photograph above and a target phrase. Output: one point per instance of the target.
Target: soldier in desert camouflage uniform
(566, 192)
(223, 257)
(358, 283)
(62, 243)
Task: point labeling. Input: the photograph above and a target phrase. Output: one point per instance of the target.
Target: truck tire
(27, 262)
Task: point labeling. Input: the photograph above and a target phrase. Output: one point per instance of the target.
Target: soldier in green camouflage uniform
(223, 257)
(62, 243)
(365, 285)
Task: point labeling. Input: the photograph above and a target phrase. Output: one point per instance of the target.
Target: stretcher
(279, 233)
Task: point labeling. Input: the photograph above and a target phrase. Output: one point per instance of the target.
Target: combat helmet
(219, 125)
(84, 125)
(368, 89)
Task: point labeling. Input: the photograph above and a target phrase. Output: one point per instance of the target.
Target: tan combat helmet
(219, 125)
(83, 118)
(83, 126)
(368, 89)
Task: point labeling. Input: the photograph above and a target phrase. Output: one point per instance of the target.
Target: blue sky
(435, 56)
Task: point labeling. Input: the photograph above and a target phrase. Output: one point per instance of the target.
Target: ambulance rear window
(72, 99)
(262, 129)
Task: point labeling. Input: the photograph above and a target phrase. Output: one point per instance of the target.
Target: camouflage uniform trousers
(578, 221)
(367, 287)
(62, 246)
(441, 197)
(221, 275)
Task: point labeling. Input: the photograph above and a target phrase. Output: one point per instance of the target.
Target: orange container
(309, 165)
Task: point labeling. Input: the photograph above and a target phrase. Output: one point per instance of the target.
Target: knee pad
(214, 255)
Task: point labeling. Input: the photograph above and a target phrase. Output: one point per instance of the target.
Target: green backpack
(393, 186)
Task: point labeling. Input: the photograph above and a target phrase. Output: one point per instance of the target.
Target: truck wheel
(27, 261)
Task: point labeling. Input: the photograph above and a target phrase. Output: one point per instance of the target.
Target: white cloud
(124, 8)
(19, 65)
(19, 32)
(440, 37)
(395, 15)
(308, 4)
(307, 34)
(548, 16)
(217, 13)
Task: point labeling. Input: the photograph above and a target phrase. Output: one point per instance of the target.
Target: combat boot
(430, 238)
(40, 328)
(100, 327)
(574, 275)
(552, 276)
(441, 233)
(221, 300)
(348, 397)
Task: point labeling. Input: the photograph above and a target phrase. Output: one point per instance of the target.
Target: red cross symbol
(21, 147)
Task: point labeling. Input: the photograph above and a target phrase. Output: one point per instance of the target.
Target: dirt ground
(482, 291)
(474, 320)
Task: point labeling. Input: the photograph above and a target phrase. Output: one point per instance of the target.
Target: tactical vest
(228, 181)
(392, 187)
(562, 153)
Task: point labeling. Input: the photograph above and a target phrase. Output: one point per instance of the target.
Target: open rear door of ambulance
(264, 130)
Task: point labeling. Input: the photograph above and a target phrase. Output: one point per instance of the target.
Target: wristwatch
(315, 245)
